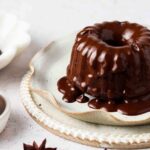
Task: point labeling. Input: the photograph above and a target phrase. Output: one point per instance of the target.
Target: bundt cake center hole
(115, 42)
(112, 38)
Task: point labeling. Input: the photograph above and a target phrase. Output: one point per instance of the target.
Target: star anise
(36, 147)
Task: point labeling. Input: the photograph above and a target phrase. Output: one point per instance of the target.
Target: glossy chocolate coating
(111, 61)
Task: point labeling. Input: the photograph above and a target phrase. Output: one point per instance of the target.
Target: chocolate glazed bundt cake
(110, 68)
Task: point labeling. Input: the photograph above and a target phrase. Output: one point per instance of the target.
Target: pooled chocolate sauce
(82, 99)
(126, 106)
(110, 61)
(70, 92)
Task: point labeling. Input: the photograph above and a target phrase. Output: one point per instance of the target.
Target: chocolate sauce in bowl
(2, 105)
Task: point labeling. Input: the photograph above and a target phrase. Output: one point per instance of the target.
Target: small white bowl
(4, 116)
(14, 37)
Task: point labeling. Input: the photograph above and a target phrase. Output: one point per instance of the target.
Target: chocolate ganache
(110, 62)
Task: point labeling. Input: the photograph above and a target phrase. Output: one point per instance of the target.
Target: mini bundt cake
(110, 62)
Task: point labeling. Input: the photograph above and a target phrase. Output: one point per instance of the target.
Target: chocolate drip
(70, 93)
(134, 106)
(82, 99)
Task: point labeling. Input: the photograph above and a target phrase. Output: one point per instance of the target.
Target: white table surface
(50, 19)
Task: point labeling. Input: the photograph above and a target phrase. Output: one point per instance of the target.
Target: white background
(50, 19)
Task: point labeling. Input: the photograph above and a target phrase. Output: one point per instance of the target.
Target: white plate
(38, 88)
